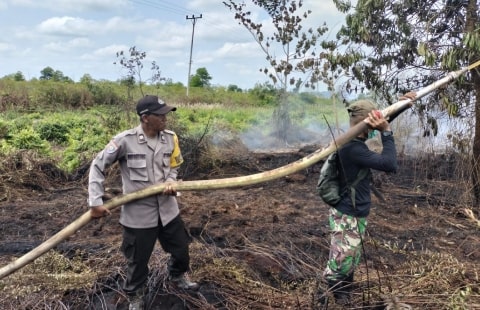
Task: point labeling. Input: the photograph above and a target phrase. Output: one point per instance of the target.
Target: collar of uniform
(141, 137)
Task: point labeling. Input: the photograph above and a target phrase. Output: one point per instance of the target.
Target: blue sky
(83, 36)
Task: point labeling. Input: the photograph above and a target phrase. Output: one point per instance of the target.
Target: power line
(177, 10)
(164, 6)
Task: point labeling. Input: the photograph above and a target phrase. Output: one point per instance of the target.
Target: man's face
(157, 122)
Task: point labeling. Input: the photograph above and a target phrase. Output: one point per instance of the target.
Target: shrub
(104, 93)
(55, 94)
(53, 132)
(28, 139)
(308, 98)
(4, 134)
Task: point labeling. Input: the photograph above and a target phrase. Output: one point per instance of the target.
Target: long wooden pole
(227, 182)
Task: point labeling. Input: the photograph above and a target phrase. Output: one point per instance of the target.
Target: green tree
(87, 80)
(58, 76)
(413, 43)
(300, 62)
(47, 73)
(234, 88)
(201, 78)
(19, 76)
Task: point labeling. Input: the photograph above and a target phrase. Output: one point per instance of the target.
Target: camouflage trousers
(345, 246)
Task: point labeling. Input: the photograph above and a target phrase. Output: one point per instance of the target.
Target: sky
(80, 37)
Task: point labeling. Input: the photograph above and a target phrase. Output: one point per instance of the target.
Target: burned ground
(255, 247)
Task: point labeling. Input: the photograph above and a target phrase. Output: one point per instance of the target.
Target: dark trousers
(138, 244)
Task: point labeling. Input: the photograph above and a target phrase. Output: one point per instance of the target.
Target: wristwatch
(387, 133)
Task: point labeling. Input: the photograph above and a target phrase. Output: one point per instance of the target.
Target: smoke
(262, 138)
(409, 132)
(413, 136)
(308, 127)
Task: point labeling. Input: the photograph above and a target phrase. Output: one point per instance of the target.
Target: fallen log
(291, 168)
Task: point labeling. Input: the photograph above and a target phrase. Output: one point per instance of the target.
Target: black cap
(153, 105)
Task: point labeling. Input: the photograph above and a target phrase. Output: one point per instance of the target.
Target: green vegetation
(70, 122)
(201, 78)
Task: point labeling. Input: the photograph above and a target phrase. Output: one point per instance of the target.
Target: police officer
(147, 154)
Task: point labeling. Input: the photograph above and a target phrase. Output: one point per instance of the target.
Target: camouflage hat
(360, 108)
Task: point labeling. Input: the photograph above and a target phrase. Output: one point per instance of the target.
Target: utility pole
(194, 20)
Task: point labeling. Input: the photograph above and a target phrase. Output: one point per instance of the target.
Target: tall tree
(201, 78)
(298, 65)
(413, 43)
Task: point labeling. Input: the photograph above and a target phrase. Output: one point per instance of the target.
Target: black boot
(342, 289)
(321, 296)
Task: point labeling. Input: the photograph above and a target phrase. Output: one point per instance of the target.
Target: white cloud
(76, 26)
(204, 5)
(239, 50)
(4, 47)
(62, 47)
(105, 52)
(55, 47)
(219, 26)
(68, 26)
(121, 24)
(73, 5)
(26, 51)
(80, 43)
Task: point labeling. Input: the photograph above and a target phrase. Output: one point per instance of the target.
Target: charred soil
(255, 247)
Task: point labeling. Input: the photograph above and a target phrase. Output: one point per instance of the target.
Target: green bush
(57, 95)
(265, 94)
(83, 143)
(4, 132)
(53, 132)
(107, 93)
(308, 98)
(28, 139)
(21, 122)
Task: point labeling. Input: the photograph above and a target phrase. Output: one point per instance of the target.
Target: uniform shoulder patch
(125, 133)
(112, 147)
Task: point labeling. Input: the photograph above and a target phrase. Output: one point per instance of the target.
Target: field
(255, 247)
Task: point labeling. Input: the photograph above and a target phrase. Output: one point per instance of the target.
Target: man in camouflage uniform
(147, 154)
(348, 218)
